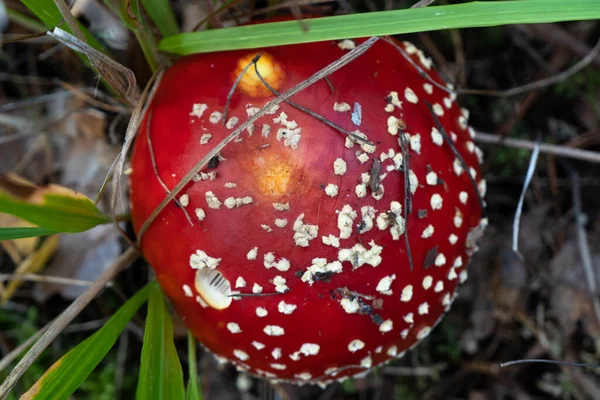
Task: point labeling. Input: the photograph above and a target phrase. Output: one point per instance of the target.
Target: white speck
(341, 107)
(436, 202)
(482, 187)
(273, 330)
(233, 327)
(394, 100)
(331, 190)
(363, 157)
(258, 345)
(198, 110)
(440, 260)
(458, 220)
(251, 111)
(232, 122)
(331, 240)
(303, 376)
(187, 291)
(404, 333)
(410, 96)
(266, 130)
(215, 117)
(346, 44)
(427, 232)
(463, 276)
(437, 137)
(392, 351)
(431, 178)
(280, 284)
(212, 200)
(201, 301)
(452, 274)
(267, 228)
(407, 294)
(394, 125)
(385, 283)
(276, 353)
(424, 309)
(423, 333)
(427, 282)
(286, 308)
(452, 238)
(413, 181)
(184, 200)
(252, 254)
(240, 282)
(256, 288)
(205, 138)
(201, 260)
(360, 190)
(281, 222)
(458, 262)
(230, 185)
(386, 326)
(310, 349)
(356, 114)
(446, 300)
(281, 206)
(463, 196)
(439, 286)
(463, 122)
(279, 367)
(472, 172)
(457, 166)
(339, 167)
(240, 354)
(409, 318)
(356, 345)
(350, 306)
(345, 221)
(415, 143)
(304, 233)
(321, 266)
(358, 255)
(261, 312)
(366, 362)
(428, 87)
(438, 110)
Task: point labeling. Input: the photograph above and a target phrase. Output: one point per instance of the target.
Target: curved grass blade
(25, 232)
(161, 13)
(56, 208)
(193, 389)
(467, 15)
(67, 374)
(49, 14)
(161, 376)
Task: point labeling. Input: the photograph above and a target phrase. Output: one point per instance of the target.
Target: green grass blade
(68, 373)
(25, 232)
(161, 376)
(467, 15)
(161, 13)
(56, 208)
(49, 14)
(193, 389)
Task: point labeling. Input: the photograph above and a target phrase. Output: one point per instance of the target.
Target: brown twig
(65, 318)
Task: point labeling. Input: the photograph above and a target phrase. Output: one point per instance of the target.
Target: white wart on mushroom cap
(296, 267)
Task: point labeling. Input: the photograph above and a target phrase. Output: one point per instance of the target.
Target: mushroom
(303, 253)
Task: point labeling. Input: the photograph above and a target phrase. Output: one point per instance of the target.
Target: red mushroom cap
(287, 254)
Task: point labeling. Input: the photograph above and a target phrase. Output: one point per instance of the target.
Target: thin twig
(407, 195)
(329, 69)
(16, 352)
(542, 361)
(155, 168)
(582, 240)
(545, 148)
(235, 85)
(44, 278)
(528, 177)
(422, 3)
(553, 80)
(306, 110)
(65, 318)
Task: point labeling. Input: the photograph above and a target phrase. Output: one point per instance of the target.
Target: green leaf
(161, 376)
(193, 389)
(68, 373)
(161, 13)
(467, 15)
(49, 14)
(55, 208)
(21, 233)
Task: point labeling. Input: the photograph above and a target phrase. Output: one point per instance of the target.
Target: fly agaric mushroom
(299, 253)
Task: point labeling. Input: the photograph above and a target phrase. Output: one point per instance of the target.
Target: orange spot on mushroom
(272, 173)
(269, 69)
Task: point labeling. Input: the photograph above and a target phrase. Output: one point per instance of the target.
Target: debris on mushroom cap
(297, 266)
